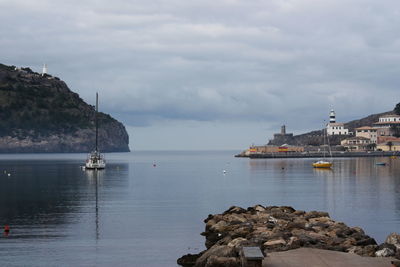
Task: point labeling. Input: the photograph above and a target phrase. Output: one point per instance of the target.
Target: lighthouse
(335, 128)
(332, 116)
(44, 71)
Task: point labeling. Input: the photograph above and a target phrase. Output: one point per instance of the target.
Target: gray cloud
(227, 60)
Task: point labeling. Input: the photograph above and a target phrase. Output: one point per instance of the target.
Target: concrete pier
(313, 257)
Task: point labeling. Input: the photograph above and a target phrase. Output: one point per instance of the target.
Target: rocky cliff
(39, 113)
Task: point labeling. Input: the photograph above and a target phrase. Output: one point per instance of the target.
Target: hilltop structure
(44, 71)
(335, 128)
(283, 137)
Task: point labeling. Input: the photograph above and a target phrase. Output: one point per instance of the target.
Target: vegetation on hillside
(38, 106)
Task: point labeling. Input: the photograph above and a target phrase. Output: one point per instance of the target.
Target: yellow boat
(393, 157)
(322, 164)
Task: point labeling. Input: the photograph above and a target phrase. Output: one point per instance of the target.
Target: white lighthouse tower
(332, 116)
(44, 71)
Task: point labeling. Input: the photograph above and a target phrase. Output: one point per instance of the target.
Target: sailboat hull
(322, 164)
(90, 165)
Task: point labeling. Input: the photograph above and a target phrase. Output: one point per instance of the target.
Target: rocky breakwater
(280, 229)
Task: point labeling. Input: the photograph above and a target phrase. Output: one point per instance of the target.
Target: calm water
(141, 215)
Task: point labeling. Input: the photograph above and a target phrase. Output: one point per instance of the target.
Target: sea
(148, 208)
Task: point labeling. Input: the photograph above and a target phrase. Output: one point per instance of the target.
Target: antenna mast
(97, 124)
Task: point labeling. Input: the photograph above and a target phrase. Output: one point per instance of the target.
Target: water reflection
(94, 176)
(41, 198)
(353, 190)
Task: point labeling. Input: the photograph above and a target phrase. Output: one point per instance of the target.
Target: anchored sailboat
(324, 163)
(96, 160)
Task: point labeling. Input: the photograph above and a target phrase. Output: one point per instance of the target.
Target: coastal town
(379, 137)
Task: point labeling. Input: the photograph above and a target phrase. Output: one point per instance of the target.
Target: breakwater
(342, 154)
(280, 229)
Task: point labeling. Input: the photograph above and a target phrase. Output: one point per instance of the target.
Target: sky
(213, 74)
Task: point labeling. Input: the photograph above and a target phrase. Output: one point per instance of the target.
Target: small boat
(381, 163)
(96, 160)
(322, 164)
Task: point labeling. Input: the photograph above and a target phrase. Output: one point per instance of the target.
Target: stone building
(356, 143)
(367, 132)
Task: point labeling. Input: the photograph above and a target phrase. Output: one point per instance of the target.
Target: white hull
(90, 165)
(95, 161)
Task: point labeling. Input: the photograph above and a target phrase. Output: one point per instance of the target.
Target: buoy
(9, 174)
(6, 228)
(224, 171)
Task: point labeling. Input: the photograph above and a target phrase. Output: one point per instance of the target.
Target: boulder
(217, 251)
(237, 242)
(394, 239)
(275, 243)
(315, 214)
(385, 252)
(215, 261)
(188, 260)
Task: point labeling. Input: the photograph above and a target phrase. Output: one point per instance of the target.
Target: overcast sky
(213, 74)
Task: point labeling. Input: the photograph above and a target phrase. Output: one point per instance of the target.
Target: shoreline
(319, 155)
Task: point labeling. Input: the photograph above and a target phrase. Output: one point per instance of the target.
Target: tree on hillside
(390, 144)
(371, 146)
(397, 109)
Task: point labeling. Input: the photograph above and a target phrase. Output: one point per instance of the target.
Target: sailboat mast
(97, 124)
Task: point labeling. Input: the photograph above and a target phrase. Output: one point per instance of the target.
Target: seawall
(321, 155)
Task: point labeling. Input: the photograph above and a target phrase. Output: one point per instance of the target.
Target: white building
(44, 70)
(387, 121)
(335, 128)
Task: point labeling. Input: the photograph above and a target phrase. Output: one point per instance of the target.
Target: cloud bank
(232, 62)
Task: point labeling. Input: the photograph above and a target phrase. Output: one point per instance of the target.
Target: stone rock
(385, 252)
(218, 251)
(366, 241)
(237, 242)
(215, 261)
(235, 209)
(236, 218)
(259, 208)
(315, 214)
(394, 239)
(275, 243)
(188, 260)
(294, 242)
(219, 226)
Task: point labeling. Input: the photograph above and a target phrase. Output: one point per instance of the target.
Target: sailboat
(324, 163)
(96, 160)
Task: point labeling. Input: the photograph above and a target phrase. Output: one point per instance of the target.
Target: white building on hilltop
(335, 128)
(44, 70)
